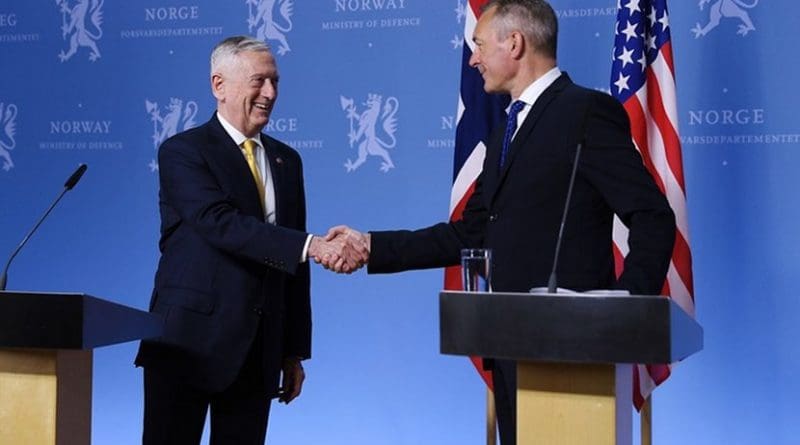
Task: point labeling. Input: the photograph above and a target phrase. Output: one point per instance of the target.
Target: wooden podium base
(45, 396)
(574, 404)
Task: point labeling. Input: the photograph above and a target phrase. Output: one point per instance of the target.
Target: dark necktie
(511, 127)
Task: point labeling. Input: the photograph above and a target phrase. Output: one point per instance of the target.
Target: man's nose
(269, 89)
(474, 59)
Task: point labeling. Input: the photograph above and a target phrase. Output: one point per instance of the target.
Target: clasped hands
(342, 250)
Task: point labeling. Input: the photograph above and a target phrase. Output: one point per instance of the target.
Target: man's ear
(517, 44)
(217, 86)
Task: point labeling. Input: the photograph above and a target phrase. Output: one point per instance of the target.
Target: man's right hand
(342, 250)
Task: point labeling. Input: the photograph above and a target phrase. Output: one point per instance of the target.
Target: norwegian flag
(643, 80)
(478, 113)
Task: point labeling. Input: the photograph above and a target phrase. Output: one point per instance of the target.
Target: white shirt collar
(235, 134)
(533, 91)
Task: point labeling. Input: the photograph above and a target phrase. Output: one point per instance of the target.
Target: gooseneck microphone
(551, 282)
(71, 181)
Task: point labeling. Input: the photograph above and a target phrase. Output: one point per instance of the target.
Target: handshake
(342, 250)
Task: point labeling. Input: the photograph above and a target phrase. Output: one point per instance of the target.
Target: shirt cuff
(304, 255)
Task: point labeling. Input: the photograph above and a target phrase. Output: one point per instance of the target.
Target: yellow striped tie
(249, 146)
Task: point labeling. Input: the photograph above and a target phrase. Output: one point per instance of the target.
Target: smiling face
(246, 88)
(492, 55)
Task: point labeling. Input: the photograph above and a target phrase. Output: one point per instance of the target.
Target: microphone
(551, 282)
(68, 185)
(75, 177)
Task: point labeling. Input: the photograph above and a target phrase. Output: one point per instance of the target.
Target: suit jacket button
(493, 217)
(258, 311)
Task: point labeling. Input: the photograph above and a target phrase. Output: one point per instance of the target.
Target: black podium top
(69, 321)
(567, 328)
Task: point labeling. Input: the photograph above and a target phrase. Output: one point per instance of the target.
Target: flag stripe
(475, 7)
(477, 114)
(464, 183)
(667, 182)
(470, 20)
(663, 110)
(678, 290)
(646, 89)
(666, 80)
(666, 132)
(458, 210)
(639, 134)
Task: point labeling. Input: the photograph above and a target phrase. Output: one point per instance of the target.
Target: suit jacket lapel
(227, 155)
(275, 166)
(524, 132)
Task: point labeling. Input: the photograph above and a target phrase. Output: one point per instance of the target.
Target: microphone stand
(71, 181)
(551, 282)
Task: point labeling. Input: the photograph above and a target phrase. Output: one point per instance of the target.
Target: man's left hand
(293, 377)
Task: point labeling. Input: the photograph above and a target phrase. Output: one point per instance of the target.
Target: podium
(574, 355)
(46, 342)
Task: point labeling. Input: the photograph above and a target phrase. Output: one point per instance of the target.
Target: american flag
(643, 80)
(478, 114)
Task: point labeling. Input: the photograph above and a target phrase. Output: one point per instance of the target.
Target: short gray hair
(535, 19)
(226, 51)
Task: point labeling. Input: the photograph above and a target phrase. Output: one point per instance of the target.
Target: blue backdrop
(104, 82)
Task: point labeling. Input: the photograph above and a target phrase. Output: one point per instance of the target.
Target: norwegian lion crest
(267, 24)
(8, 123)
(365, 131)
(726, 8)
(178, 117)
(75, 27)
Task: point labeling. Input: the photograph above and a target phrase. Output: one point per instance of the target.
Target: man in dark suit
(233, 280)
(519, 197)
